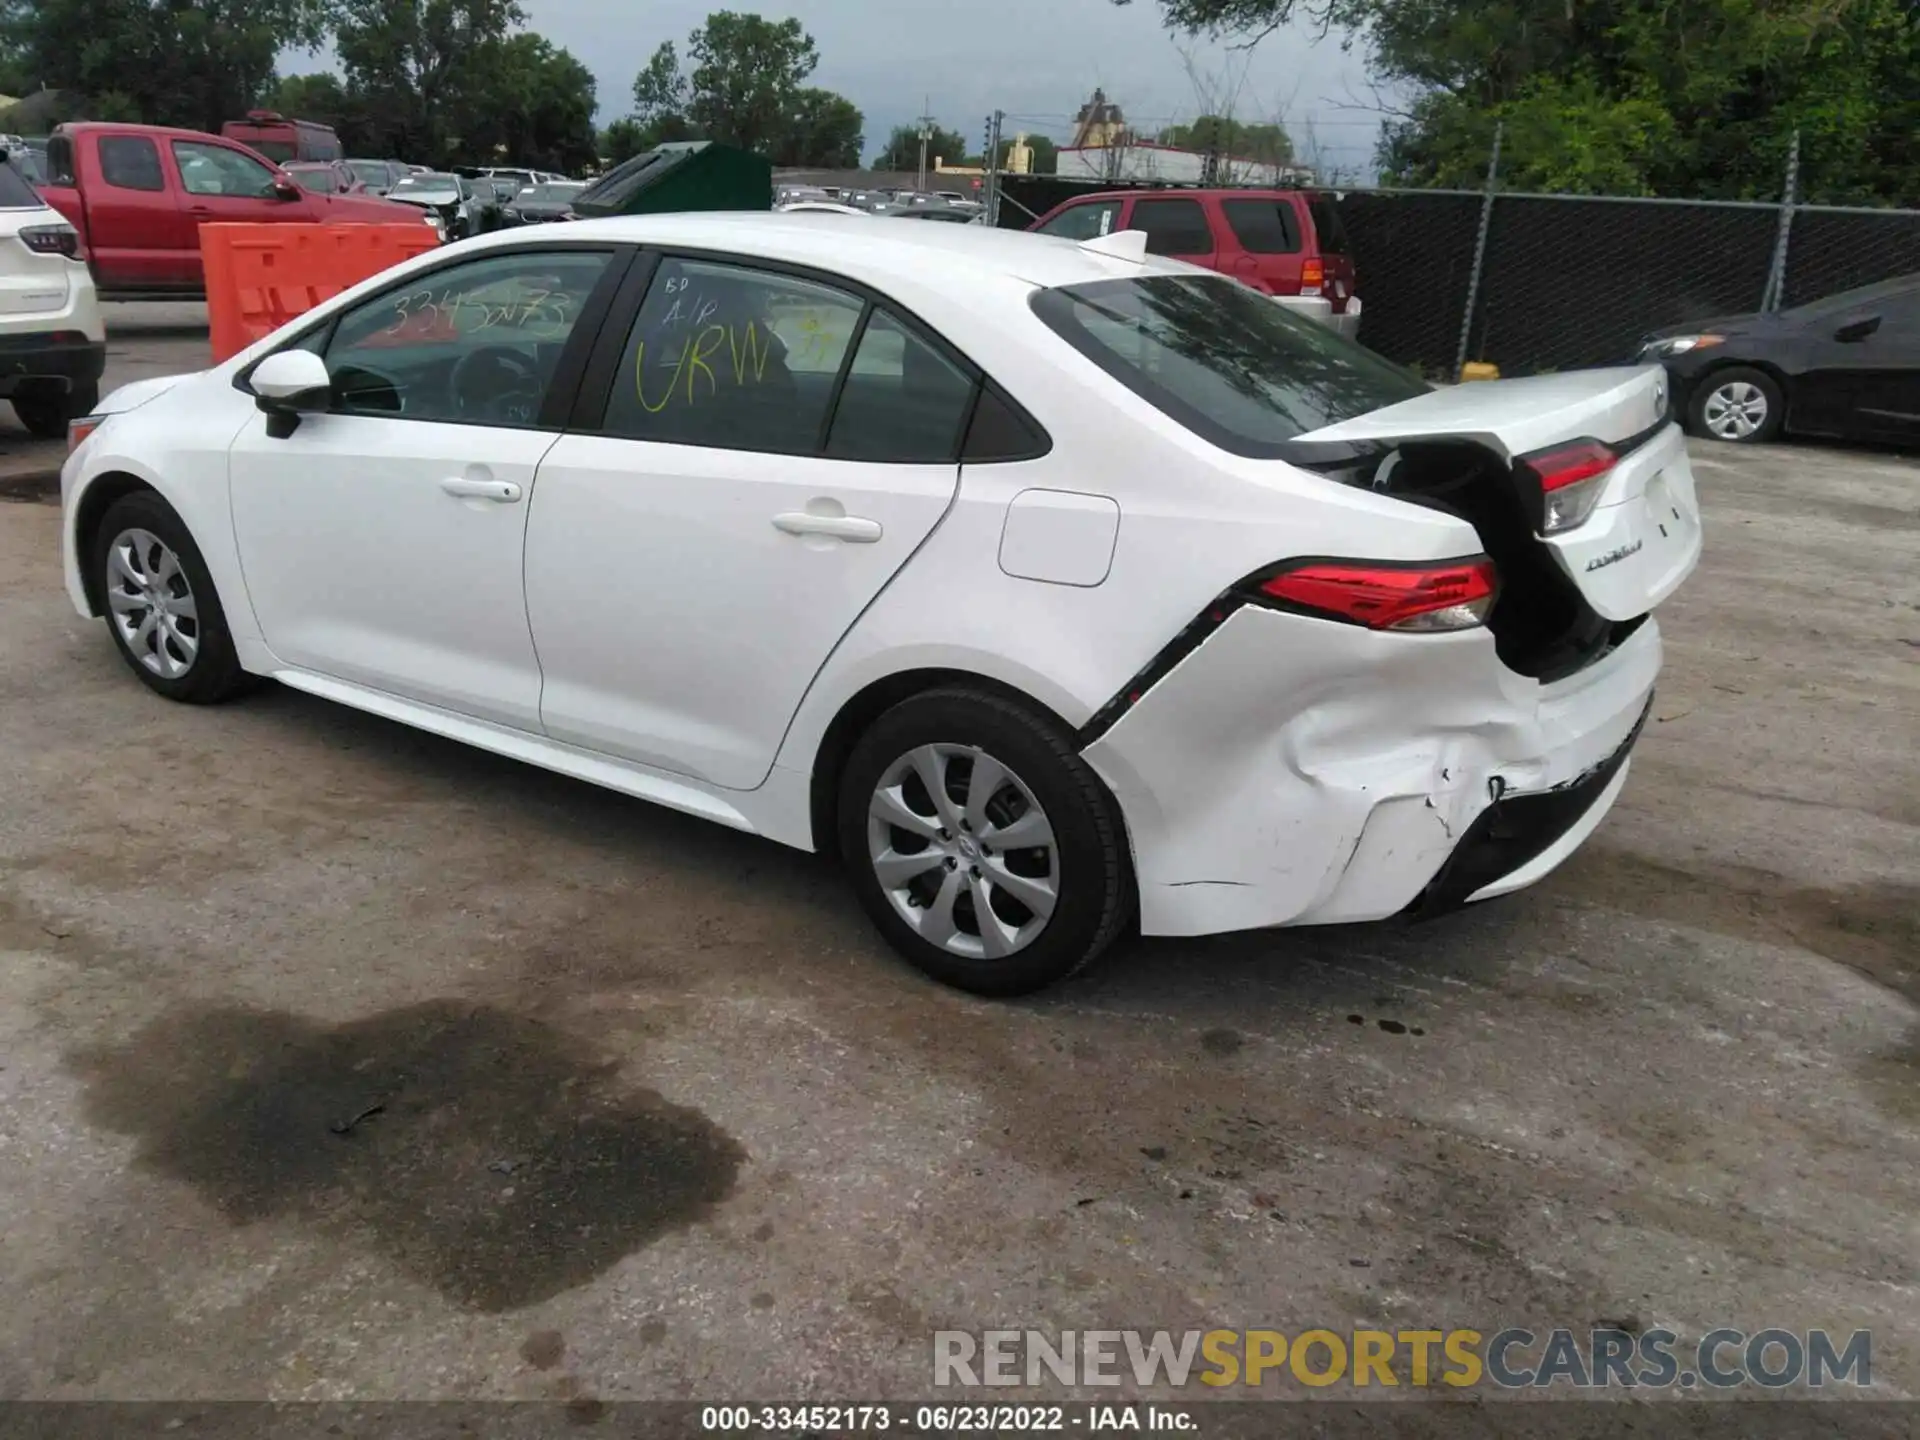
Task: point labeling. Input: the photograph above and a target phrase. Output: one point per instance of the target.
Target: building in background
(1104, 148)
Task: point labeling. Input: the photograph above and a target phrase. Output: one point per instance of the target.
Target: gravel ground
(634, 1106)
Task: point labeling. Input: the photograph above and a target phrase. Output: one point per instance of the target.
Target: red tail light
(1453, 596)
(1571, 479)
(1313, 275)
(51, 240)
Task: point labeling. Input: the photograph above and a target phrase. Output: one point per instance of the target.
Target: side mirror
(1854, 331)
(284, 188)
(287, 385)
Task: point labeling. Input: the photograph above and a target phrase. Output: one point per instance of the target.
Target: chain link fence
(1570, 280)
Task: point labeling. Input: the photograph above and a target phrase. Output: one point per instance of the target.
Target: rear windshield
(15, 191)
(1326, 224)
(1232, 365)
(278, 151)
(371, 172)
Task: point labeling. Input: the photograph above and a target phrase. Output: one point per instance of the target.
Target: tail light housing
(1384, 595)
(51, 240)
(1313, 275)
(1571, 478)
(80, 430)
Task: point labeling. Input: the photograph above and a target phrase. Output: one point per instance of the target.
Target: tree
(825, 132)
(1642, 96)
(421, 69)
(747, 88)
(1232, 140)
(539, 106)
(622, 140)
(195, 64)
(660, 91)
(902, 150)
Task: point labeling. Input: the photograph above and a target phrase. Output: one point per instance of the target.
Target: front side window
(216, 170)
(1228, 363)
(1084, 222)
(474, 343)
(1172, 227)
(734, 358)
(130, 162)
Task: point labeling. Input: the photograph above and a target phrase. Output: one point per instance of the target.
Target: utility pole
(992, 166)
(926, 134)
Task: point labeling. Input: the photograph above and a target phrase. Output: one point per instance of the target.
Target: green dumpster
(685, 175)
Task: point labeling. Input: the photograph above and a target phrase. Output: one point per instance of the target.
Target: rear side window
(1083, 222)
(1263, 227)
(1326, 225)
(60, 161)
(1173, 227)
(1228, 363)
(16, 192)
(902, 401)
(131, 162)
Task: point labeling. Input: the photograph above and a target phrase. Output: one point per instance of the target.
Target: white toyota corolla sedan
(1055, 587)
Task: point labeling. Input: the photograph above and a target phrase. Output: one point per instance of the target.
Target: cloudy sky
(1036, 59)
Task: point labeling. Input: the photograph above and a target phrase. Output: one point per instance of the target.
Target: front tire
(162, 610)
(980, 843)
(1740, 405)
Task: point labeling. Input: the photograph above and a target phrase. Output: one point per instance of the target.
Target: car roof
(861, 250)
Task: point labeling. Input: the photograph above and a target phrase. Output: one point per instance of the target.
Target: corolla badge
(1615, 556)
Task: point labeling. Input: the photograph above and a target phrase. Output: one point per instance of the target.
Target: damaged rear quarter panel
(1299, 770)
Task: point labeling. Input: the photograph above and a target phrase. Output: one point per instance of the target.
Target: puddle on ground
(474, 1148)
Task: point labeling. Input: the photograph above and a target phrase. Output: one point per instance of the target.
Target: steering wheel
(496, 382)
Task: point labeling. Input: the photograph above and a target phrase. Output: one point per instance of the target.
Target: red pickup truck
(138, 195)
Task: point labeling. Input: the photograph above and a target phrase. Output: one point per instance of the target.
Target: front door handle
(854, 529)
(504, 491)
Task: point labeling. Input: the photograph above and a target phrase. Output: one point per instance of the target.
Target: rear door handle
(854, 529)
(504, 491)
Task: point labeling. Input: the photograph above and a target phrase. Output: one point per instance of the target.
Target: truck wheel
(45, 413)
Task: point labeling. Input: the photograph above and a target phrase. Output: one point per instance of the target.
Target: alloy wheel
(963, 851)
(152, 604)
(1735, 411)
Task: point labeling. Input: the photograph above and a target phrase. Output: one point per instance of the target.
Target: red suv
(1284, 242)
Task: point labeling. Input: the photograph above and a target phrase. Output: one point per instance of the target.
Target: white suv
(52, 341)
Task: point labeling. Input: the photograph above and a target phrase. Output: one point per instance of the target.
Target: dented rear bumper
(1291, 770)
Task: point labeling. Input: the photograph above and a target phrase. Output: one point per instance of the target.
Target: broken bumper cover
(1296, 771)
(1519, 838)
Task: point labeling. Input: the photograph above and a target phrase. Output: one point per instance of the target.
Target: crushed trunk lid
(1640, 538)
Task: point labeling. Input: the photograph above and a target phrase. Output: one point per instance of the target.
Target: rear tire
(162, 610)
(923, 866)
(1740, 405)
(45, 413)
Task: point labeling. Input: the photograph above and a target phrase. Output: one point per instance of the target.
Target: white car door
(693, 559)
(381, 541)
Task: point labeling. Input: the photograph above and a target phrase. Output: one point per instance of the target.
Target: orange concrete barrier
(261, 276)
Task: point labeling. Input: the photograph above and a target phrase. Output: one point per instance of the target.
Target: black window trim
(574, 357)
(590, 412)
